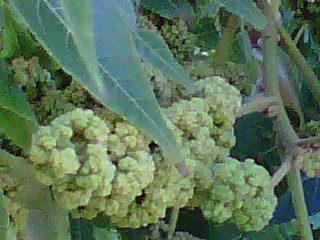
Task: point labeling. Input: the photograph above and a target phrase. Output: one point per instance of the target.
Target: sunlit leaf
(126, 88)
(153, 49)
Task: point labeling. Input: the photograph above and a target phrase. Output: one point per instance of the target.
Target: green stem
(299, 204)
(285, 133)
(301, 62)
(173, 222)
(227, 37)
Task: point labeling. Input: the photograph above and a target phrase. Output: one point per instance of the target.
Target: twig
(226, 40)
(299, 34)
(284, 169)
(257, 105)
(173, 222)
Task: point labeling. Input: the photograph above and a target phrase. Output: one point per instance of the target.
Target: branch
(285, 133)
(259, 105)
(226, 40)
(306, 70)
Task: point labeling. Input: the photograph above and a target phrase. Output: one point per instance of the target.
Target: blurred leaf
(4, 219)
(255, 139)
(170, 8)
(17, 121)
(285, 212)
(126, 88)
(207, 8)
(276, 232)
(48, 221)
(247, 10)
(81, 229)
(153, 49)
(193, 222)
(134, 234)
(10, 40)
(102, 234)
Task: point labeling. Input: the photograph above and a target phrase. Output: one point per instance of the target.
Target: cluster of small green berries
(179, 39)
(70, 155)
(307, 158)
(55, 102)
(33, 79)
(241, 192)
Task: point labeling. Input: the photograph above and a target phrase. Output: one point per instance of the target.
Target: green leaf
(247, 10)
(81, 229)
(10, 40)
(46, 220)
(103, 234)
(153, 49)
(17, 121)
(79, 23)
(4, 219)
(170, 8)
(126, 88)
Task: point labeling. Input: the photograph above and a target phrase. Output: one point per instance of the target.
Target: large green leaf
(4, 219)
(10, 40)
(247, 10)
(170, 8)
(46, 220)
(80, 26)
(153, 49)
(126, 88)
(17, 121)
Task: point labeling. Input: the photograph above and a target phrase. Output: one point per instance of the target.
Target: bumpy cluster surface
(31, 76)
(241, 193)
(205, 124)
(180, 40)
(168, 189)
(308, 160)
(71, 156)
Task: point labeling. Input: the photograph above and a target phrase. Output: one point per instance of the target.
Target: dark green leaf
(17, 121)
(153, 49)
(170, 8)
(247, 10)
(81, 229)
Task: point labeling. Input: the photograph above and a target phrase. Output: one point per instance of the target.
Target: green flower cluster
(308, 160)
(33, 79)
(179, 39)
(242, 193)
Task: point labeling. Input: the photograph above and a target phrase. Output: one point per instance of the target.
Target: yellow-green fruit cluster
(241, 192)
(71, 156)
(308, 160)
(168, 189)
(180, 40)
(27, 73)
(205, 124)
